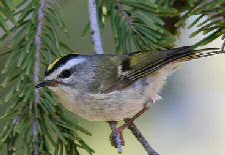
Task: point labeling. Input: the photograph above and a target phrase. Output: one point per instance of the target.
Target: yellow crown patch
(58, 62)
(53, 63)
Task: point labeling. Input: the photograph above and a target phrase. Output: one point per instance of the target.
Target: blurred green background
(190, 118)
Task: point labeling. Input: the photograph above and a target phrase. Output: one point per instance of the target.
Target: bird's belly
(107, 107)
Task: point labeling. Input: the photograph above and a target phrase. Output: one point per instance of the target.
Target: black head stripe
(59, 62)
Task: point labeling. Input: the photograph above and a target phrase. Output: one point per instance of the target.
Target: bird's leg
(113, 137)
(120, 129)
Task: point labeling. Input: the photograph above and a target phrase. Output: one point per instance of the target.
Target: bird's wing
(139, 64)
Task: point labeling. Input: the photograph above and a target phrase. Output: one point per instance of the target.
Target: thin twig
(136, 132)
(223, 38)
(117, 138)
(96, 36)
(70, 149)
(38, 42)
(126, 16)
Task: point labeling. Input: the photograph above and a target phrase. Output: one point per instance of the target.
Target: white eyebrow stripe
(72, 62)
(67, 65)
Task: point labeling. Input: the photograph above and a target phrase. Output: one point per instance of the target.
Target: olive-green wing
(140, 64)
(107, 72)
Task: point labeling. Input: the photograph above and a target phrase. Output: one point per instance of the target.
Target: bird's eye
(65, 74)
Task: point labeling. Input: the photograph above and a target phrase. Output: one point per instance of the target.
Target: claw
(117, 133)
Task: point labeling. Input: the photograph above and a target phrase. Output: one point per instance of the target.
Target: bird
(112, 87)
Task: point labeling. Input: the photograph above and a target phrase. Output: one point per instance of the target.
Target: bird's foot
(117, 137)
(117, 133)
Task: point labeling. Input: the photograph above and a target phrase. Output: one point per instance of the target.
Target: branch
(38, 42)
(70, 150)
(136, 132)
(223, 45)
(126, 16)
(118, 138)
(96, 36)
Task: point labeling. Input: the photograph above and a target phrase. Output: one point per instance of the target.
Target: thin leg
(130, 121)
(120, 129)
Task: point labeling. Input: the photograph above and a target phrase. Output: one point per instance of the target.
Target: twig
(70, 149)
(96, 36)
(118, 138)
(136, 132)
(38, 42)
(223, 38)
(126, 16)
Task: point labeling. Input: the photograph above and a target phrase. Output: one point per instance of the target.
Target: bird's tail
(186, 55)
(180, 54)
(158, 61)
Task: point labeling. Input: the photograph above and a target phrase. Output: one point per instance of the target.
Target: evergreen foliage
(136, 24)
(213, 25)
(30, 27)
(29, 41)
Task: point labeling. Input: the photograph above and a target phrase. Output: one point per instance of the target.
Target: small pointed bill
(47, 83)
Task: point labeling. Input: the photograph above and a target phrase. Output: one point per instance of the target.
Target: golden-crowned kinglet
(115, 87)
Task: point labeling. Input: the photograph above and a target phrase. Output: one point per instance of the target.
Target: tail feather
(201, 53)
(183, 55)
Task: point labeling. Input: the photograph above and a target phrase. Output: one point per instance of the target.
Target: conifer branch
(96, 36)
(136, 132)
(33, 115)
(29, 27)
(126, 16)
(210, 21)
(38, 42)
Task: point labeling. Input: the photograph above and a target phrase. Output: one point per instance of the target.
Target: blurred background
(190, 117)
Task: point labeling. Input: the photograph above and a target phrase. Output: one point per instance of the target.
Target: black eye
(65, 74)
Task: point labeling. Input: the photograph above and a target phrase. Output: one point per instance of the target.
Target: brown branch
(70, 149)
(136, 132)
(126, 16)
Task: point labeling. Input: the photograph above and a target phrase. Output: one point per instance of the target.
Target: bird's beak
(47, 83)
